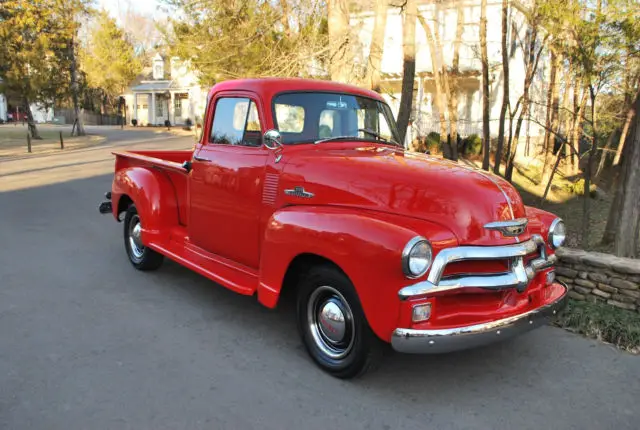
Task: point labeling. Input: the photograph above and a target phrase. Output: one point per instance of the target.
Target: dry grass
(13, 140)
(603, 322)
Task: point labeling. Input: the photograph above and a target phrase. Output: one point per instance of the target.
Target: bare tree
(409, 66)
(77, 125)
(553, 105)
(436, 59)
(339, 55)
(533, 57)
(450, 151)
(377, 45)
(454, 87)
(505, 87)
(486, 134)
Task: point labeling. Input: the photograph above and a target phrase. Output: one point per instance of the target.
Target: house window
(159, 108)
(177, 106)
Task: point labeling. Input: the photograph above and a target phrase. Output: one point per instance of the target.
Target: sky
(146, 7)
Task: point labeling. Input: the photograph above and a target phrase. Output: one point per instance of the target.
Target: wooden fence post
(28, 142)
(61, 141)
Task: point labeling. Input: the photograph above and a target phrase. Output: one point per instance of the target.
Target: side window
(236, 122)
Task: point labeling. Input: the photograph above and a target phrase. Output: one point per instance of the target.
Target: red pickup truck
(302, 186)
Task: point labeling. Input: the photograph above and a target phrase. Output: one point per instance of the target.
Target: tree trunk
(450, 151)
(552, 117)
(437, 77)
(505, 87)
(587, 173)
(566, 104)
(74, 90)
(338, 23)
(377, 45)
(604, 154)
(31, 124)
(454, 87)
(516, 137)
(623, 136)
(576, 131)
(627, 237)
(409, 67)
(486, 134)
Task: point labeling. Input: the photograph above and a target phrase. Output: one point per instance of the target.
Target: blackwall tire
(141, 257)
(332, 324)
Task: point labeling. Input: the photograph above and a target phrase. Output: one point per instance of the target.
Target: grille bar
(517, 277)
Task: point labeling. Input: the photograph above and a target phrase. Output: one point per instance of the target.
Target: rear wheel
(332, 324)
(142, 257)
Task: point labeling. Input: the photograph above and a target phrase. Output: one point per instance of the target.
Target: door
(226, 181)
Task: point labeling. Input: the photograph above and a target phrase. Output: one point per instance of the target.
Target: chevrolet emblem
(508, 228)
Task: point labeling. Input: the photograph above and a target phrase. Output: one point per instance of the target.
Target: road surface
(87, 342)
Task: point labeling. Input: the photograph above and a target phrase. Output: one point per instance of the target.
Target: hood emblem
(509, 228)
(299, 192)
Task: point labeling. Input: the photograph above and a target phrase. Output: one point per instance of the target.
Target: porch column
(152, 113)
(135, 106)
(171, 107)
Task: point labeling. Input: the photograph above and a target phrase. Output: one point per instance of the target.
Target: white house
(168, 90)
(442, 16)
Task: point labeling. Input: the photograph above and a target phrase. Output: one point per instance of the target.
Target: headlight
(416, 257)
(557, 233)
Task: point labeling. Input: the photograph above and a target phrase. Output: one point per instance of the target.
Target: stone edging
(596, 276)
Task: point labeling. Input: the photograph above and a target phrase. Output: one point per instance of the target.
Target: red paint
(230, 220)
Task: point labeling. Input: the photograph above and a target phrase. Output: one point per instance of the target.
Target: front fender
(366, 245)
(152, 193)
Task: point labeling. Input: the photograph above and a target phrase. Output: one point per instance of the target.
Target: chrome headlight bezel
(555, 238)
(407, 255)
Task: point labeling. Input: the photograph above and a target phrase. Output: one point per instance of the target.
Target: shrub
(433, 142)
(473, 144)
(188, 122)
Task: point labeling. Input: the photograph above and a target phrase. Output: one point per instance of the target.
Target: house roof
(157, 86)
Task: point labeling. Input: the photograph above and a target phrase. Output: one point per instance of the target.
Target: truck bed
(170, 162)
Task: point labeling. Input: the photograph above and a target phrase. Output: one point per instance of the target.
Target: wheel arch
(151, 192)
(299, 266)
(365, 246)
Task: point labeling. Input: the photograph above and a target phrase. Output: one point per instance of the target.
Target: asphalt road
(87, 342)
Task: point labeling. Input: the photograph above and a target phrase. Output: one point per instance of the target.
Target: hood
(461, 199)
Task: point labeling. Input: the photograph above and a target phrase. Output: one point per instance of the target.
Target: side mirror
(272, 139)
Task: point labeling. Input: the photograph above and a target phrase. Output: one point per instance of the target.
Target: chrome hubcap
(331, 322)
(135, 239)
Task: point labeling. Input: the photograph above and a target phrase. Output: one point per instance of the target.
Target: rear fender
(366, 246)
(152, 193)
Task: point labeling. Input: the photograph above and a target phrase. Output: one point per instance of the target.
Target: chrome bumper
(454, 339)
(517, 277)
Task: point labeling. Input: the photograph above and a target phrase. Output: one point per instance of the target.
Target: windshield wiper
(364, 130)
(378, 136)
(336, 138)
(373, 133)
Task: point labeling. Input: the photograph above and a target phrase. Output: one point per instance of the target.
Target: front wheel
(332, 324)
(142, 257)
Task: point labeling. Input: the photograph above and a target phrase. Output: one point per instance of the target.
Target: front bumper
(454, 339)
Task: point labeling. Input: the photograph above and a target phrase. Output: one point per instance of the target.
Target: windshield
(313, 117)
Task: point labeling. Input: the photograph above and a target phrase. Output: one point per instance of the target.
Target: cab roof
(268, 87)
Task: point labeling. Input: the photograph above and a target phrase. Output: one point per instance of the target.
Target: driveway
(87, 342)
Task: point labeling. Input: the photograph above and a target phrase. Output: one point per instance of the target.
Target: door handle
(195, 157)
